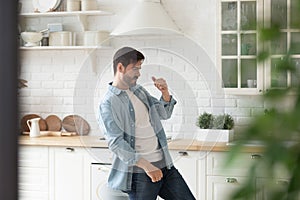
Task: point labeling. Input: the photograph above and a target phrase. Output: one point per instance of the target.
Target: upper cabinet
(240, 20)
(283, 13)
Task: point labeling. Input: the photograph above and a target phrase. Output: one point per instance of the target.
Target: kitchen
(66, 80)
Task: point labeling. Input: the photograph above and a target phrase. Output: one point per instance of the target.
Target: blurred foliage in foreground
(279, 130)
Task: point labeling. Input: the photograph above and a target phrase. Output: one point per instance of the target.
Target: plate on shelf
(45, 5)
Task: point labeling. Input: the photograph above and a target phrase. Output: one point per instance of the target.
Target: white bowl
(32, 38)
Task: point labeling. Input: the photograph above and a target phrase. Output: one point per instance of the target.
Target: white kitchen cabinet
(223, 181)
(222, 187)
(267, 186)
(238, 167)
(69, 173)
(33, 173)
(239, 44)
(191, 165)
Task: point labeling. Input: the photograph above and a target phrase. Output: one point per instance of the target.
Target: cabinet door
(266, 188)
(222, 187)
(187, 163)
(33, 173)
(238, 167)
(241, 72)
(283, 13)
(69, 173)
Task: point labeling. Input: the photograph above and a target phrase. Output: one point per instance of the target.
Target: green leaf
(268, 34)
(263, 55)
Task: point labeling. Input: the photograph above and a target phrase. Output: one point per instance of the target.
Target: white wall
(72, 81)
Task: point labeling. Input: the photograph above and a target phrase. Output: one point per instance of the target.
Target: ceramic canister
(96, 38)
(73, 5)
(88, 5)
(61, 38)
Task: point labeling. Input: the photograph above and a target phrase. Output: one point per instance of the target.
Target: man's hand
(161, 84)
(153, 172)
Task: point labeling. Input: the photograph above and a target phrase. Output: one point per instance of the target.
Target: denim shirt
(117, 120)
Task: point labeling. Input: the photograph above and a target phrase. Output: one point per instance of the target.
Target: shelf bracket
(83, 21)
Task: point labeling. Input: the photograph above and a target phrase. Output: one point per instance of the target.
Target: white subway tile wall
(64, 82)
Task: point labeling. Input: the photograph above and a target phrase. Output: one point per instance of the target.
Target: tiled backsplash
(64, 82)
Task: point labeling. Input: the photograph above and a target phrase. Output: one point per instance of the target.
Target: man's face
(132, 73)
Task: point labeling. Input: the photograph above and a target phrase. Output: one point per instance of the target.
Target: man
(130, 117)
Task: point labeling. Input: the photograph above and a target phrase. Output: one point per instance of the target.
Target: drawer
(222, 187)
(238, 167)
(33, 156)
(33, 195)
(179, 154)
(100, 155)
(33, 179)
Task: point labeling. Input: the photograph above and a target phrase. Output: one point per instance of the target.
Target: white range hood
(147, 18)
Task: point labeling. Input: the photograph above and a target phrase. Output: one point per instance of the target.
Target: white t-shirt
(146, 142)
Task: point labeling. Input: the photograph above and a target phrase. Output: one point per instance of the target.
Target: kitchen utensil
(75, 123)
(32, 38)
(34, 127)
(24, 127)
(53, 123)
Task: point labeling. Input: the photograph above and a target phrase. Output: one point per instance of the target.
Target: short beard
(129, 80)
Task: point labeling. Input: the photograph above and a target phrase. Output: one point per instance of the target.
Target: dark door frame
(8, 100)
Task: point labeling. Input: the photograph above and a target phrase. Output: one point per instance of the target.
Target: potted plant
(215, 128)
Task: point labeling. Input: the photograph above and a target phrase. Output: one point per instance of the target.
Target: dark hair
(126, 56)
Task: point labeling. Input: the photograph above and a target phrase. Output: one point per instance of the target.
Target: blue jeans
(171, 187)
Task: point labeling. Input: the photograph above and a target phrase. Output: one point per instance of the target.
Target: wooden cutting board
(53, 123)
(24, 126)
(75, 123)
(53, 133)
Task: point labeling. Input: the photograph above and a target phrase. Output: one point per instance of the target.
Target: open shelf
(64, 13)
(65, 47)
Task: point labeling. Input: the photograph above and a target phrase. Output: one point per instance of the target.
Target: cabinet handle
(256, 156)
(183, 153)
(103, 169)
(231, 180)
(69, 149)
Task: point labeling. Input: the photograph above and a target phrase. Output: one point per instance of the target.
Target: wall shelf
(64, 48)
(62, 14)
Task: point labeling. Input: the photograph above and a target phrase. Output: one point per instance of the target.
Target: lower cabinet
(267, 186)
(69, 173)
(63, 173)
(191, 165)
(222, 187)
(33, 173)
